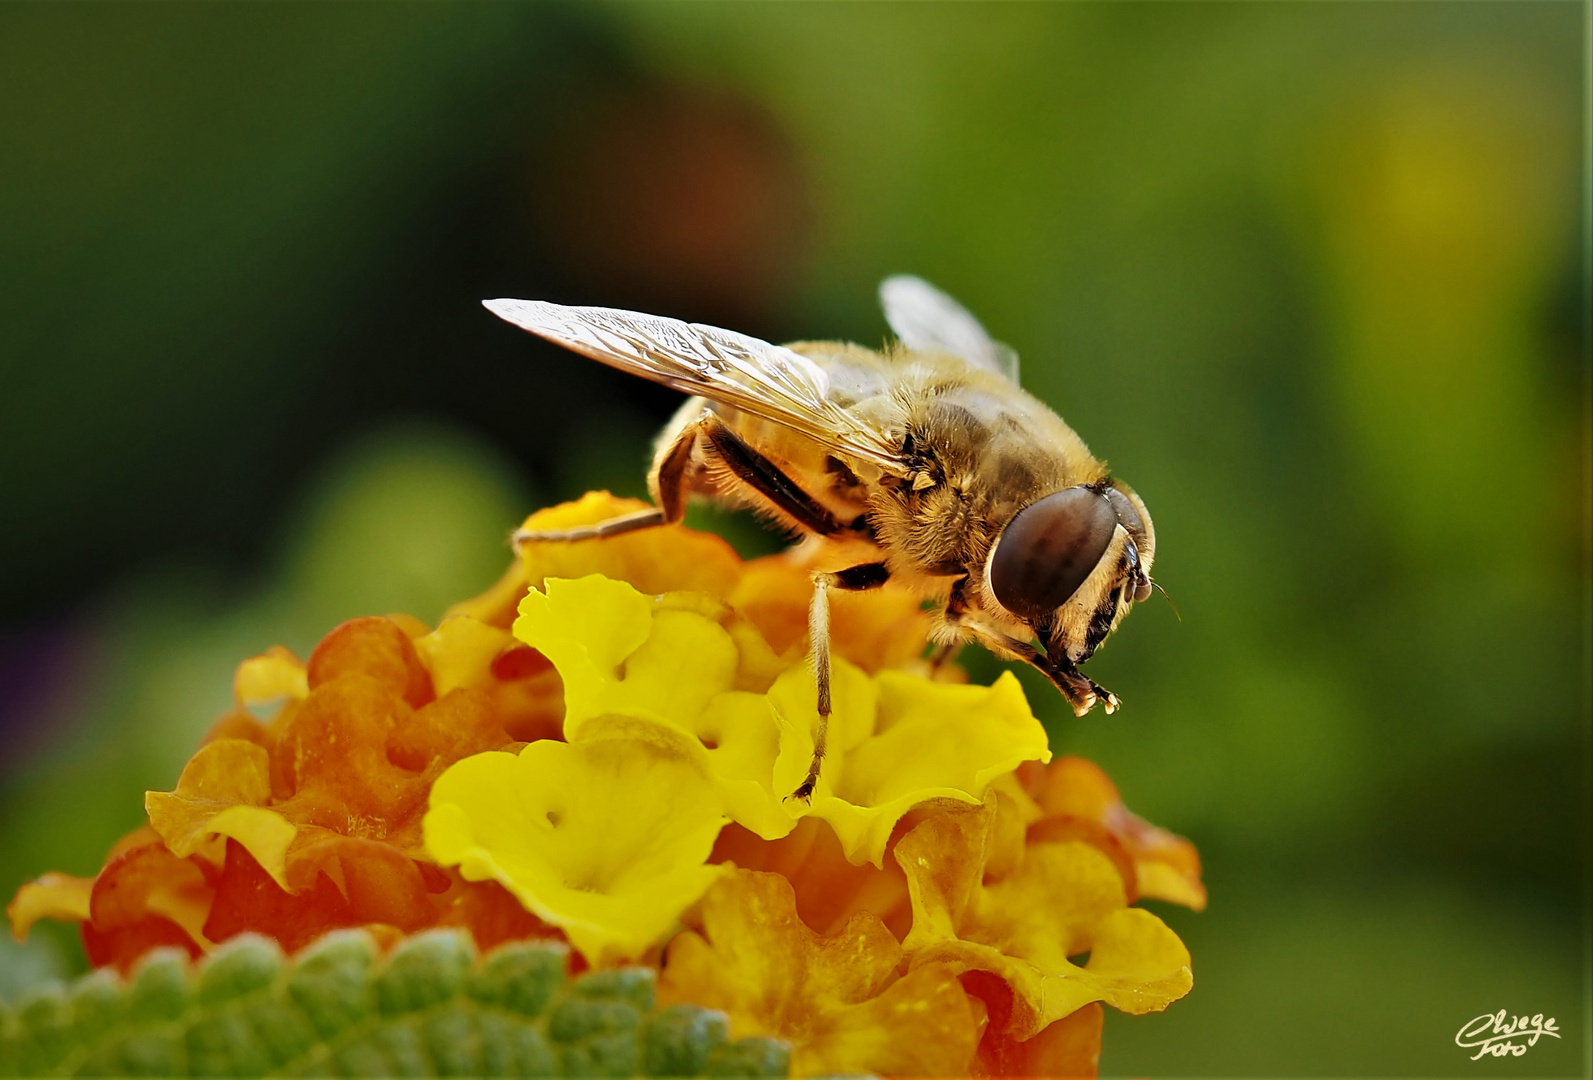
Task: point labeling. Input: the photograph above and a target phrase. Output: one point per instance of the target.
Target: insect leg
(1066, 669)
(852, 579)
(951, 622)
(1081, 691)
(618, 526)
(668, 483)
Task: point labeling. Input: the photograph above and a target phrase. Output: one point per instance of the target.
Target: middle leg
(852, 579)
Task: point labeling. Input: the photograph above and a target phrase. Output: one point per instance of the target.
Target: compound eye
(1048, 550)
(1127, 512)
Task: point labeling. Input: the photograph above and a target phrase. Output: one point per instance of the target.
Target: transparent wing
(926, 318)
(744, 372)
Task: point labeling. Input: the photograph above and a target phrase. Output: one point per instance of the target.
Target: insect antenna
(1158, 587)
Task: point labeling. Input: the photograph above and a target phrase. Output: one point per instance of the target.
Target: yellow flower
(622, 653)
(896, 740)
(903, 743)
(605, 838)
(607, 835)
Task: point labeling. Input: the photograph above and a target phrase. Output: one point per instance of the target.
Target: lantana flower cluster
(601, 749)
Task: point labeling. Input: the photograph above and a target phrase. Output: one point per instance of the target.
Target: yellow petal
(742, 736)
(668, 660)
(460, 652)
(222, 792)
(619, 652)
(1138, 963)
(275, 673)
(264, 833)
(944, 859)
(52, 896)
(854, 708)
(929, 741)
(921, 1025)
(605, 838)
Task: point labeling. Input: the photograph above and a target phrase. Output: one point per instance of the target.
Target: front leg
(1081, 691)
(852, 579)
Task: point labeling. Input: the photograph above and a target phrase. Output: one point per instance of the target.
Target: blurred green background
(1309, 275)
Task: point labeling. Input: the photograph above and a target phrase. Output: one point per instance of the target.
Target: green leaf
(431, 1008)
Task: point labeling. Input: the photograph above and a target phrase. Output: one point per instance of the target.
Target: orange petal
(273, 675)
(241, 724)
(124, 890)
(490, 912)
(830, 889)
(380, 883)
(1063, 899)
(1069, 1048)
(878, 629)
(123, 946)
(376, 648)
(460, 652)
(144, 897)
(51, 896)
(499, 605)
(226, 772)
(1060, 827)
(1167, 867)
(222, 792)
(836, 999)
(669, 558)
(335, 746)
(529, 695)
(461, 723)
(247, 899)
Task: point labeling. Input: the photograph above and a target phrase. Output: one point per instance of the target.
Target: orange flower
(838, 999)
(311, 821)
(623, 790)
(1080, 801)
(1022, 923)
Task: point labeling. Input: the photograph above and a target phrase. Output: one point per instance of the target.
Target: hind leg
(667, 481)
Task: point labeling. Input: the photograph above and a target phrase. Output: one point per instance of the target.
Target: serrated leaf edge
(325, 1050)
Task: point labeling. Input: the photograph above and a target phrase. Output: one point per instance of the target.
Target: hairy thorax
(974, 451)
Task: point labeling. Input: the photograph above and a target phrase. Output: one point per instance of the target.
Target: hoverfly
(954, 481)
